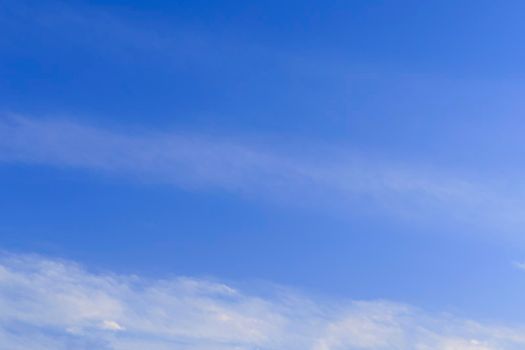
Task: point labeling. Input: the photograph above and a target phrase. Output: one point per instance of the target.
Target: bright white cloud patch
(49, 304)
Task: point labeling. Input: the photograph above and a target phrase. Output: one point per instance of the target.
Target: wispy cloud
(52, 304)
(201, 162)
(158, 157)
(519, 265)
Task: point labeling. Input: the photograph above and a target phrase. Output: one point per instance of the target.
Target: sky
(233, 175)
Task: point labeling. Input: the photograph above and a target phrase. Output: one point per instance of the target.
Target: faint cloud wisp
(199, 162)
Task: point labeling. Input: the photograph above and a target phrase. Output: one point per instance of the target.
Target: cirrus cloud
(55, 304)
(337, 179)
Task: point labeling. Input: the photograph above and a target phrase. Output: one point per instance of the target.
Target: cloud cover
(338, 180)
(55, 304)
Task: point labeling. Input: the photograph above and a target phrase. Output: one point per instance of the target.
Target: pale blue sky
(329, 153)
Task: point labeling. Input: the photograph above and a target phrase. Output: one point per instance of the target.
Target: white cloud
(49, 304)
(519, 265)
(200, 162)
(111, 325)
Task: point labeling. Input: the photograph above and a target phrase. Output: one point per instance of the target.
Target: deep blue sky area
(369, 150)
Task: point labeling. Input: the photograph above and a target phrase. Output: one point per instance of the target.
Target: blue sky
(298, 175)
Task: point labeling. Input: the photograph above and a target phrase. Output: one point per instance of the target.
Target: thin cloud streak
(198, 162)
(54, 304)
(519, 265)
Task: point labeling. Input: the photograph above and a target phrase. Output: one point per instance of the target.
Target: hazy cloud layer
(50, 304)
(337, 179)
